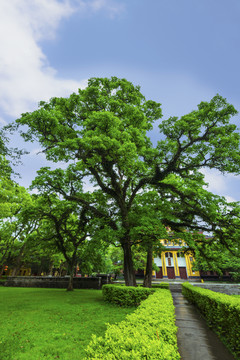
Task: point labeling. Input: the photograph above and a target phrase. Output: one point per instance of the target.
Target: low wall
(56, 282)
(229, 289)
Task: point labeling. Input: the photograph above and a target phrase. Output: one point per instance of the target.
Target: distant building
(174, 263)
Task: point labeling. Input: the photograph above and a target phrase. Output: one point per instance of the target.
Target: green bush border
(125, 295)
(160, 286)
(148, 333)
(221, 311)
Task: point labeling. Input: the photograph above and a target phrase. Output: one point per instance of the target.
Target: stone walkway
(195, 340)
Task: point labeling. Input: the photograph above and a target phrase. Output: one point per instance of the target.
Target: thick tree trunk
(129, 273)
(60, 269)
(16, 270)
(147, 282)
(70, 283)
(50, 268)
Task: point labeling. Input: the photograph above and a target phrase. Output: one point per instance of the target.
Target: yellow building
(174, 263)
(22, 272)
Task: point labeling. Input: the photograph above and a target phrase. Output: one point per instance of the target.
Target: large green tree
(64, 224)
(13, 198)
(103, 129)
(14, 227)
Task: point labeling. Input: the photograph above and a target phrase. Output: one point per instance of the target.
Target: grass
(52, 323)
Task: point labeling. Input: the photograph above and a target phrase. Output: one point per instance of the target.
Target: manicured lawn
(38, 324)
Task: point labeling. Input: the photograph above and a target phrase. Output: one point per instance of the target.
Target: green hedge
(221, 311)
(160, 286)
(148, 333)
(125, 295)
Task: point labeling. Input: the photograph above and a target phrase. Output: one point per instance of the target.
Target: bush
(221, 311)
(148, 333)
(160, 286)
(125, 295)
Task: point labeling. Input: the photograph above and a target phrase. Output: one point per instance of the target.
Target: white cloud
(217, 182)
(37, 151)
(112, 7)
(2, 121)
(230, 199)
(25, 74)
(180, 93)
(88, 187)
(221, 184)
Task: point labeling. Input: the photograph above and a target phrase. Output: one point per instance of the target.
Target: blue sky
(179, 51)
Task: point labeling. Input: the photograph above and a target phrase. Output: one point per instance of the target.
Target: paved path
(195, 340)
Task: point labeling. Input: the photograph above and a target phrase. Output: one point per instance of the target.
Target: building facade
(174, 263)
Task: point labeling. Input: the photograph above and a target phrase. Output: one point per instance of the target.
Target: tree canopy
(102, 131)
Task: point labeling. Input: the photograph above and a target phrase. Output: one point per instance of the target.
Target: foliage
(221, 311)
(125, 296)
(150, 332)
(62, 224)
(14, 227)
(8, 156)
(160, 286)
(146, 230)
(102, 131)
(50, 324)
(220, 258)
(109, 259)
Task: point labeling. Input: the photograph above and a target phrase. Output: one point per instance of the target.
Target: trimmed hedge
(125, 295)
(221, 311)
(148, 333)
(154, 286)
(160, 286)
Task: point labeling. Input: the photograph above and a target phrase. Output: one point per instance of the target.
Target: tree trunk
(16, 270)
(70, 283)
(50, 268)
(129, 273)
(60, 269)
(18, 262)
(147, 282)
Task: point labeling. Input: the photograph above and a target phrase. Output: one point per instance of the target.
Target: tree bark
(147, 282)
(129, 273)
(16, 270)
(70, 283)
(50, 268)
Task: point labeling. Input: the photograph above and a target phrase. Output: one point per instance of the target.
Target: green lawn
(38, 324)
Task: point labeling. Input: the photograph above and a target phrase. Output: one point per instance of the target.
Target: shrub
(221, 311)
(125, 295)
(160, 286)
(148, 333)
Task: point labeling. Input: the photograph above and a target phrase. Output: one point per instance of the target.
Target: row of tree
(117, 188)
